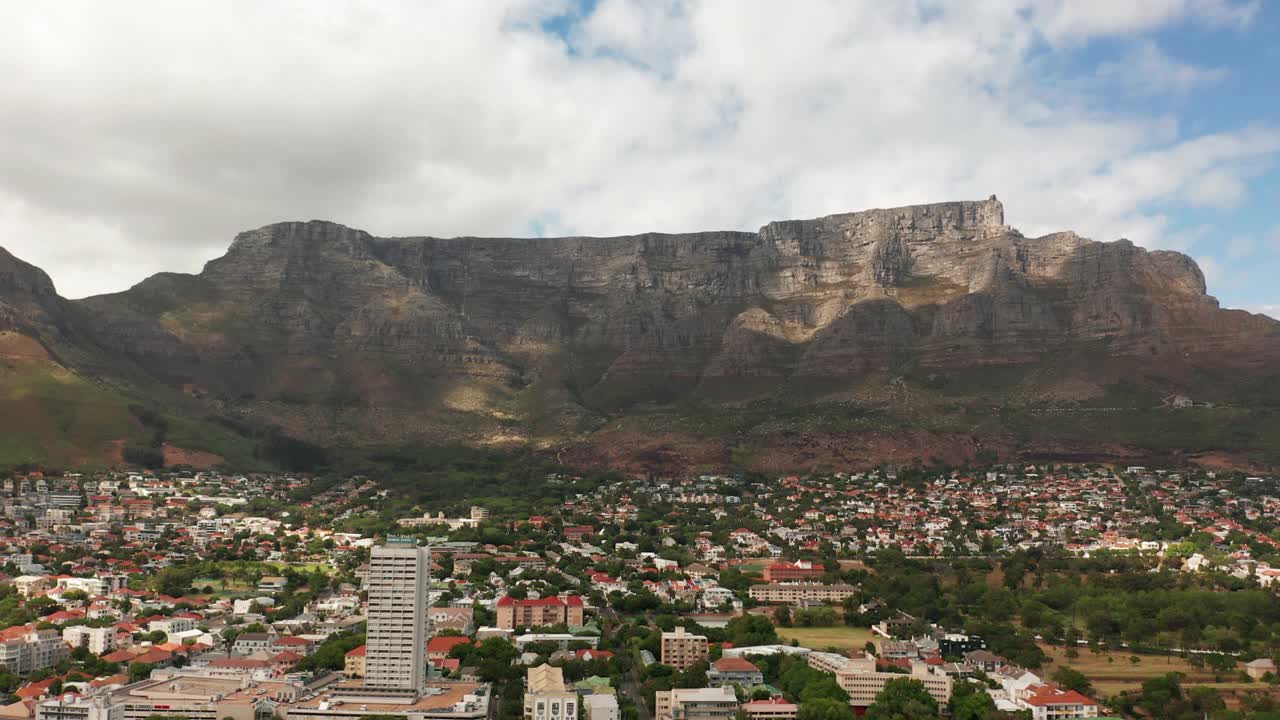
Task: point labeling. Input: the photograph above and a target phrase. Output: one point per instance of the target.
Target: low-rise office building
(863, 687)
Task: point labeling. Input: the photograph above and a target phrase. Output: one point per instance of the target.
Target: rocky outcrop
(314, 314)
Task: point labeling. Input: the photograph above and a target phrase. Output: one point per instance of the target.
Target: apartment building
(681, 649)
(540, 612)
(172, 626)
(33, 651)
(353, 662)
(796, 593)
(546, 697)
(399, 576)
(718, 703)
(104, 584)
(100, 641)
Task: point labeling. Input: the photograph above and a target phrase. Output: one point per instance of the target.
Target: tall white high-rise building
(399, 577)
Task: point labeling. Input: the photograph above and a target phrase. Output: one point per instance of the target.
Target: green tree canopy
(903, 698)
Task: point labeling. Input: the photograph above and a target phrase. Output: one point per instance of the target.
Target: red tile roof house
(284, 662)
(35, 690)
(154, 656)
(124, 655)
(438, 648)
(587, 655)
(1052, 702)
(449, 664)
(578, 532)
(293, 643)
(734, 670)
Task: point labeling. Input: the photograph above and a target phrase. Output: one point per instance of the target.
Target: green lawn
(224, 587)
(821, 638)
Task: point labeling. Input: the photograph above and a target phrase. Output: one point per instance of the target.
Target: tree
(970, 701)
(1072, 679)
(332, 653)
(747, 630)
(903, 699)
(695, 676)
(174, 581)
(825, 710)
(783, 615)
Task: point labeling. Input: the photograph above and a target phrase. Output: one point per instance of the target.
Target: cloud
(1148, 70)
(1076, 20)
(141, 137)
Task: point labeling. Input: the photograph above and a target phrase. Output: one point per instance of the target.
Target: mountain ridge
(340, 336)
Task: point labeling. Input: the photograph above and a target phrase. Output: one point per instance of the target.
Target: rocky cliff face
(317, 315)
(28, 301)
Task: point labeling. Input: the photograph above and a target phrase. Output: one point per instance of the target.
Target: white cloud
(1148, 70)
(1217, 189)
(1076, 20)
(141, 137)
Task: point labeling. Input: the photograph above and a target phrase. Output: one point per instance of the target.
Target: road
(631, 679)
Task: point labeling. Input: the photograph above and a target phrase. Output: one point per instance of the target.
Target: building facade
(796, 593)
(601, 706)
(100, 641)
(395, 650)
(791, 572)
(772, 709)
(681, 649)
(735, 671)
(75, 707)
(697, 704)
(513, 613)
(33, 651)
(546, 697)
(863, 687)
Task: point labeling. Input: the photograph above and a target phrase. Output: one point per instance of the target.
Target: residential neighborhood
(706, 597)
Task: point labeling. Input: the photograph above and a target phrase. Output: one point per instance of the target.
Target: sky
(141, 137)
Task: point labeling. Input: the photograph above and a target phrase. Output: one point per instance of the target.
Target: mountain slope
(920, 314)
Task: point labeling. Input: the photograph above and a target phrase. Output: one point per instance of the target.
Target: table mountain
(343, 337)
